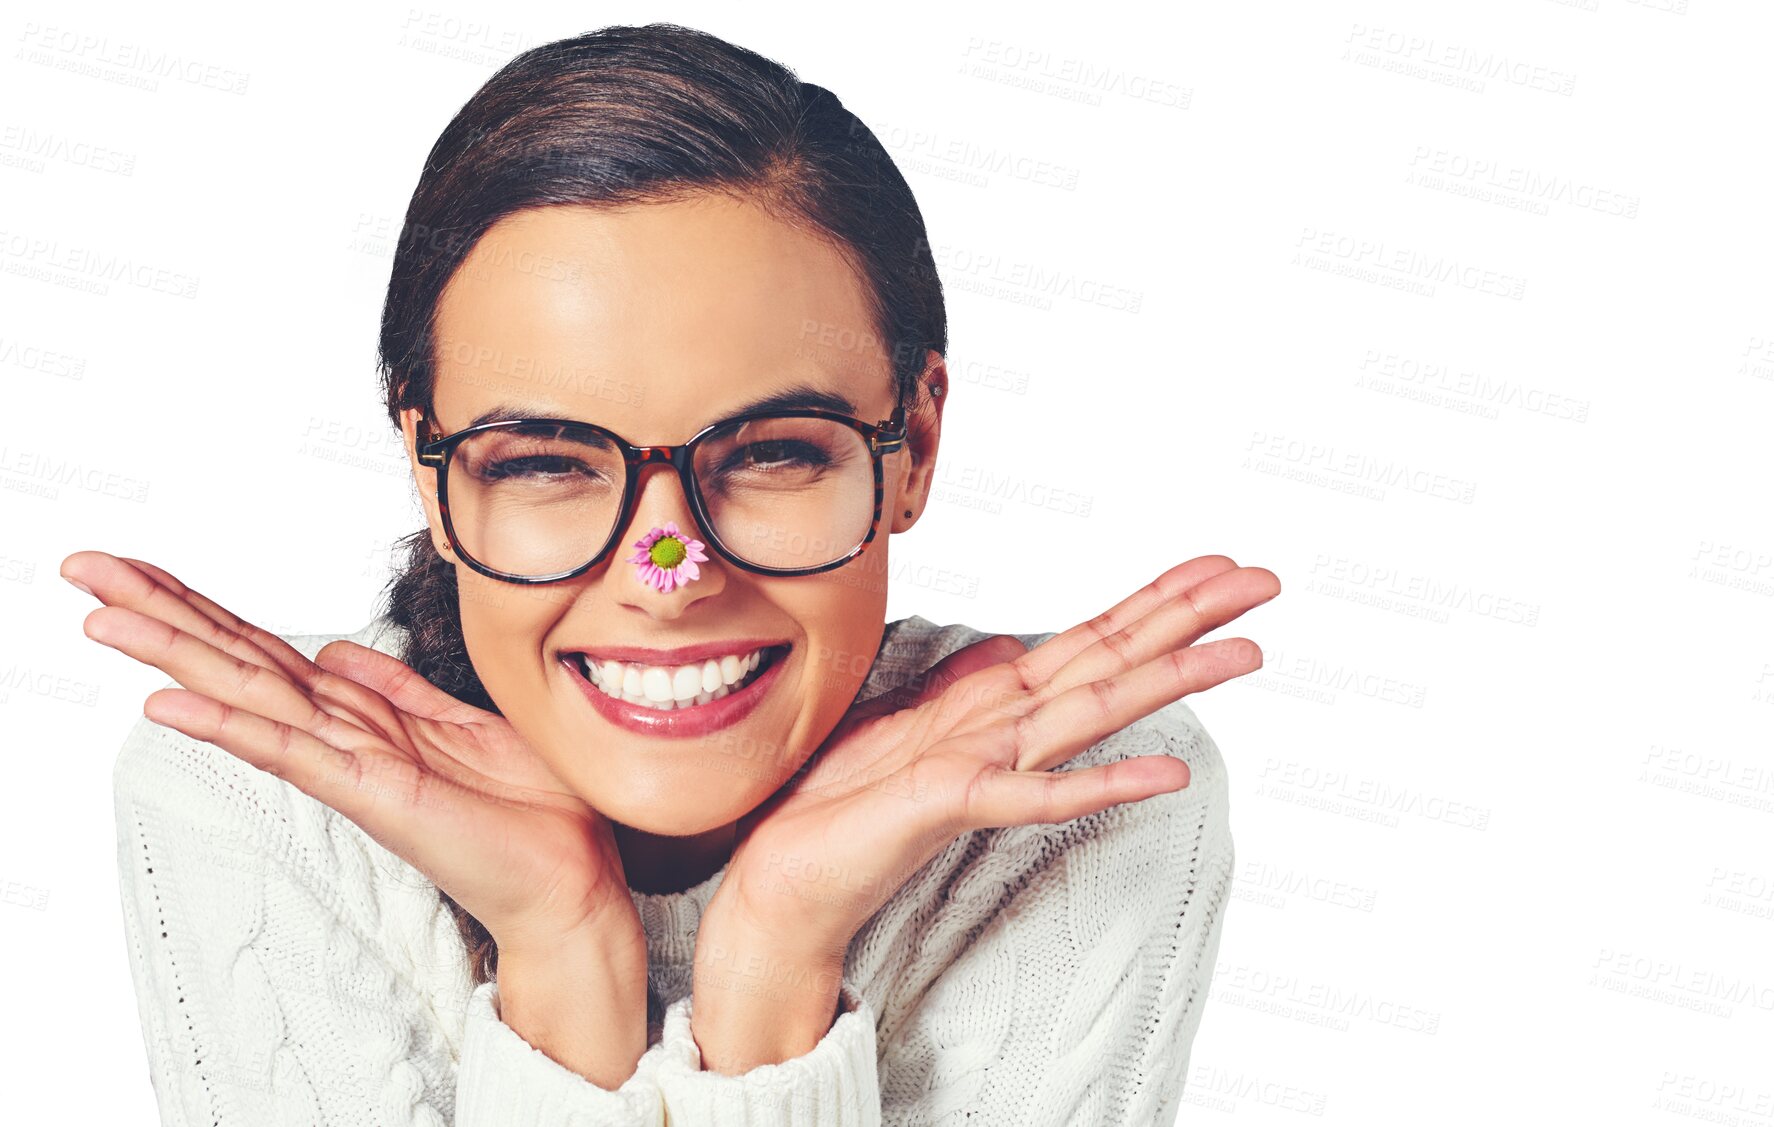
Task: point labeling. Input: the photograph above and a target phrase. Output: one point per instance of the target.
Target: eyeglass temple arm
(423, 437)
(890, 433)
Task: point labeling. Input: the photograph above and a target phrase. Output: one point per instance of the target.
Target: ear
(425, 478)
(923, 435)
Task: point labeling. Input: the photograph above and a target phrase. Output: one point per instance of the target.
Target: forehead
(652, 319)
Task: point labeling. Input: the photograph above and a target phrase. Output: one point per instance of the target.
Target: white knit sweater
(289, 970)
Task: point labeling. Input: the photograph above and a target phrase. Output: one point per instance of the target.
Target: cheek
(842, 635)
(504, 641)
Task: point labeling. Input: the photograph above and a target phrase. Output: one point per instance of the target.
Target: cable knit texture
(289, 970)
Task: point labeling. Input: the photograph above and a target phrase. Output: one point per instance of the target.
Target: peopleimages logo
(1423, 56)
(1539, 188)
(1381, 258)
(131, 64)
(1268, 452)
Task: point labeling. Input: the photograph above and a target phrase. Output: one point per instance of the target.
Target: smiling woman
(698, 304)
(631, 807)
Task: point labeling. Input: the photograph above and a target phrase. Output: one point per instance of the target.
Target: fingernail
(80, 585)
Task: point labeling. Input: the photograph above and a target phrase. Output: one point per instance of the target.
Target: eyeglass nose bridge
(678, 458)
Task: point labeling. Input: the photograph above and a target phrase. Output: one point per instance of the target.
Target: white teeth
(671, 687)
(686, 681)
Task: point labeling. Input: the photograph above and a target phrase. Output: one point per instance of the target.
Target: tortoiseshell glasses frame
(883, 438)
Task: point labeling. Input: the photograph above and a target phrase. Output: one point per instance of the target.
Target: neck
(656, 864)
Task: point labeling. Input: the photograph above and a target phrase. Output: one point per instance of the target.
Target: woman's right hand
(450, 788)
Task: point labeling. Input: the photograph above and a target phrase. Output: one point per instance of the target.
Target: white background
(1457, 317)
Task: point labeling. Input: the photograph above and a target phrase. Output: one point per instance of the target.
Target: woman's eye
(780, 453)
(535, 466)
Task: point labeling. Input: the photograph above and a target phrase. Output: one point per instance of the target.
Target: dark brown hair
(625, 115)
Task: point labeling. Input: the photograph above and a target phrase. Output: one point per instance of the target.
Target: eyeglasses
(786, 492)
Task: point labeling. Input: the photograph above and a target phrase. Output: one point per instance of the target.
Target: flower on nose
(667, 558)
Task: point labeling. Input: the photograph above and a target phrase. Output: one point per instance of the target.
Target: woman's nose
(663, 560)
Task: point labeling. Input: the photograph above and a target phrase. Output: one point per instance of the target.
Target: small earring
(908, 512)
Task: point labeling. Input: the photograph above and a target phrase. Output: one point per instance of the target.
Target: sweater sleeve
(268, 991)
(831, 1085)
(1075, 958)
(502, 1079)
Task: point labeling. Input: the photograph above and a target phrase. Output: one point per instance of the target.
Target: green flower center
(668, 552)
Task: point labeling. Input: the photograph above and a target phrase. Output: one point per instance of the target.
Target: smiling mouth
(670, 688)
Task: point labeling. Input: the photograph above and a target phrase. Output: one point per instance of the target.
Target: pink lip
(682, 655)
(697, 720)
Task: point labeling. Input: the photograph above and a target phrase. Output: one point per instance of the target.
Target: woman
(670, 825)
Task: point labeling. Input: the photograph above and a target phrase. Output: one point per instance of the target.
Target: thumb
(395, 680)
(936, 680)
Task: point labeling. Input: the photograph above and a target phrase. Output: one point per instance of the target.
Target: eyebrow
(797, 397)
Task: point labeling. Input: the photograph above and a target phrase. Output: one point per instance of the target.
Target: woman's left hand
(970, 745)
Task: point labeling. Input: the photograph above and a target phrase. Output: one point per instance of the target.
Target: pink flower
(667, 558)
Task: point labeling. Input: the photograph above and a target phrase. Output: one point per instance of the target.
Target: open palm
(450, 788)
(971, 743)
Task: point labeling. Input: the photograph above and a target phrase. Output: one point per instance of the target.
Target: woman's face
(654, 321)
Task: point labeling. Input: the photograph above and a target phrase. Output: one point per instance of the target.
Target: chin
(694, 789)
(679, 810)
(669, 823)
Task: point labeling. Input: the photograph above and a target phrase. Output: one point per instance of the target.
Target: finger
(1077, 718)
(1018, 798)
(380, 792)
(1050, 656)
(397, 681)
(126, 582)
(285, 656)
(1170, 627)
(933, 682)
(186, 609)
(206, 670)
